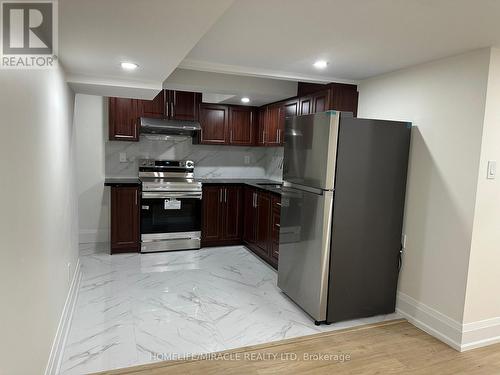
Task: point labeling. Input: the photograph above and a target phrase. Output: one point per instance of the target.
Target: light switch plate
(123, 157)
(492, 170)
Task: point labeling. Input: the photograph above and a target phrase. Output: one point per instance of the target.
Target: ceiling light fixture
(320, 64)
(129, 66)
(245, 100)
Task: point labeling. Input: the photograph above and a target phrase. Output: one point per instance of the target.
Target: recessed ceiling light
(129, 66)
(245, 100)
(320, 64)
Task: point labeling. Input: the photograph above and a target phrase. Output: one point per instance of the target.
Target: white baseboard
(480, 333)
(57, 351)
(430, 320)
(459, 336)
(93, 236)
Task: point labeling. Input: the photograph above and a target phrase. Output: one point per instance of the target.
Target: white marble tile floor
(137, 308)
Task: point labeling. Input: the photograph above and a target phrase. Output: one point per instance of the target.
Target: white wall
(38, 217)
(445, 100)
(482, 302)
(93, 202)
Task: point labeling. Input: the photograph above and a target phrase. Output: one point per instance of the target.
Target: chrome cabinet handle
(225, 195)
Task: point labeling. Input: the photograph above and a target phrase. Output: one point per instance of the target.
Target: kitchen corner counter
(254, 182)
(117, 181)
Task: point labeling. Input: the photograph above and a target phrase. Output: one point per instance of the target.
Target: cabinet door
(291, 108)
(261, 126)
(249, 215)
(344, 98)
(241, 125)
(274, 120)
(152, 108)
(321, 101)
(214, 124)
(123, 116)
(125, 231)
(211, 214)
(305, 105)
(263, 213)
(183, 105)
(232, 216)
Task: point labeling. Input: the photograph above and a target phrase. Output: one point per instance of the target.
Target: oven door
(170, 221)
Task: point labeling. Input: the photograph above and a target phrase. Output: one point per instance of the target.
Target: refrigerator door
(303, 264)
(310, 149)
(368, 217)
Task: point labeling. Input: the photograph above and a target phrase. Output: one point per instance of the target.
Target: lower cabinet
(222, 215)
(235, 214)
(261, 224)
(125, 223)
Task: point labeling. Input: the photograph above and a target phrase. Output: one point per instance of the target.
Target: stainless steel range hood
(169, 127)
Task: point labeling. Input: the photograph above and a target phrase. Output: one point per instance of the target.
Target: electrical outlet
(123, 157)
(247, 159)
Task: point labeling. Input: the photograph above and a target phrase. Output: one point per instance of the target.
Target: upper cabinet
(228, 124)
(313, 99)
(152, 108)
(214, 124)
(183, 105)
(242, 125)
(124, 113)
(123, 124)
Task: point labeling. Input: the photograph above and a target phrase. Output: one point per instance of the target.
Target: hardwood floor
(394, 347)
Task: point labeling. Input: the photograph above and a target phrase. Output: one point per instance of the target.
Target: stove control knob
(189, 164)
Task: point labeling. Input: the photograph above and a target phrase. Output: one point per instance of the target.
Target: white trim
(459, 336)
(480, 333)
(430, 320)
(207, 66)
(93, 235)
(57, 350)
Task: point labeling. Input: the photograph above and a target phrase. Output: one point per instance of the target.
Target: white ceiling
(263, 38)
(359, 38)
(96, 35)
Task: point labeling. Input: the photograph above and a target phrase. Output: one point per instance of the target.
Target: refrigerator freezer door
(311, 149)
(305, 248)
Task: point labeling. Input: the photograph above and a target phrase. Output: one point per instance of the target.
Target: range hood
(169, 127)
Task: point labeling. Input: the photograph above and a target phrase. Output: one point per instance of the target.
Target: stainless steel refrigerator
(341, 215)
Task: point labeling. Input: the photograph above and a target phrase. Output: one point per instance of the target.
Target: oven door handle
(171, 194)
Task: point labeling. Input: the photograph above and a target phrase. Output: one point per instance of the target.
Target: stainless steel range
(171, 206)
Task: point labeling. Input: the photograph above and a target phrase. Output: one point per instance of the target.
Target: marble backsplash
(211, 161)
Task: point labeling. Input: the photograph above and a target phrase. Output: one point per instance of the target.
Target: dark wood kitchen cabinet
(275, 226)
(214, 121)
(242, 125)
(182, 105)
(152, 108)
(222, 215)
(271, 125)
(123, 115)
(261, 224)
(125, 227)
(263, 220)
